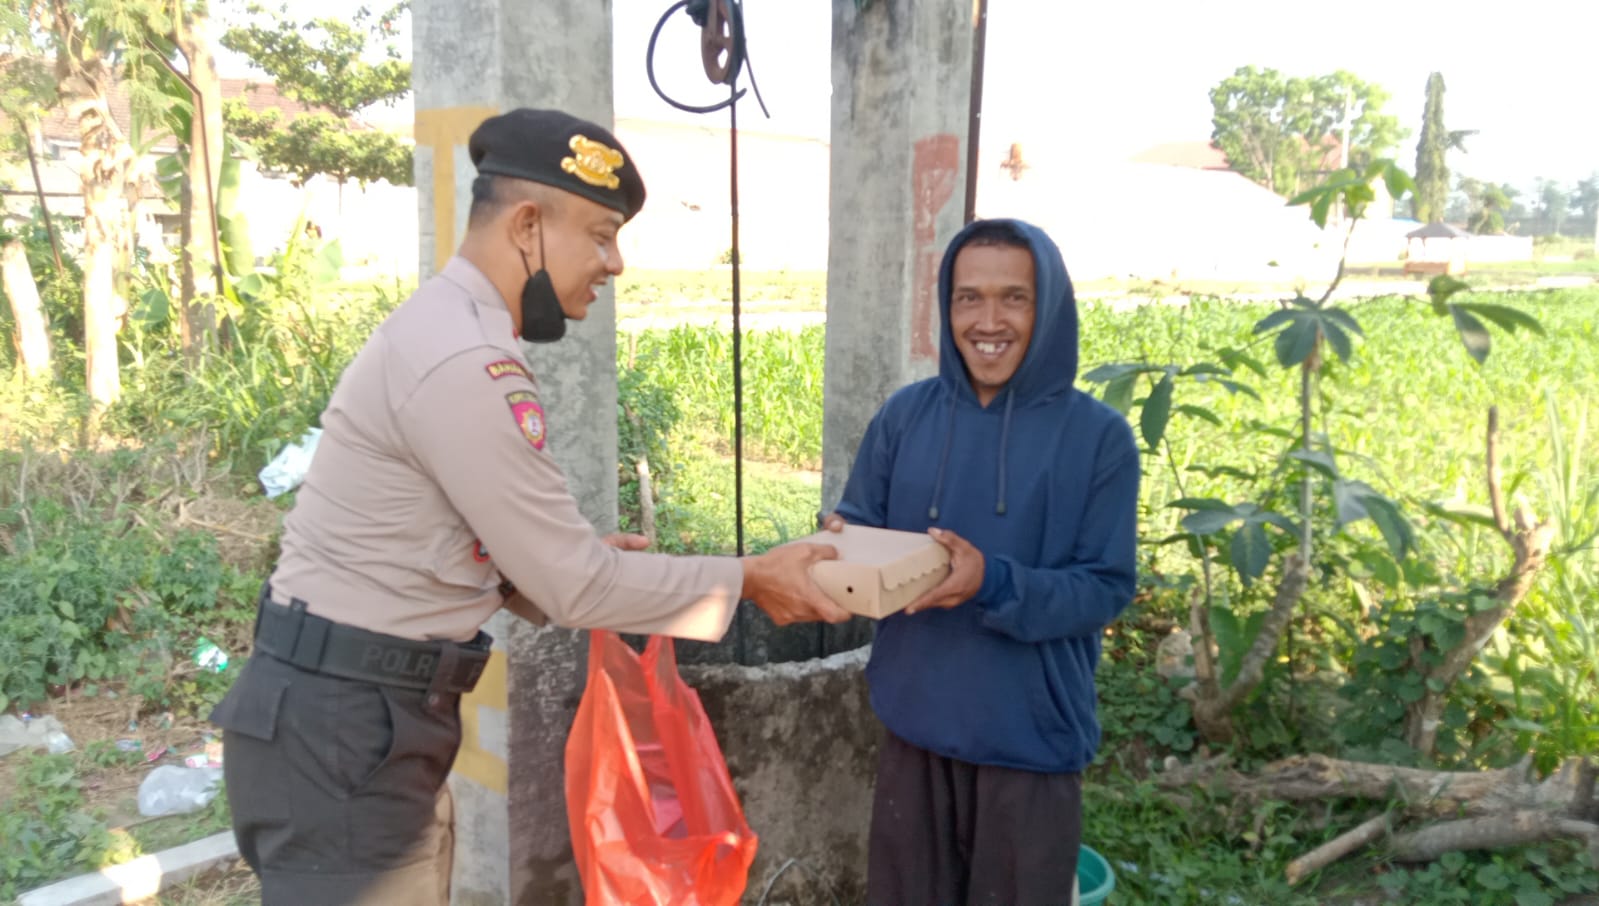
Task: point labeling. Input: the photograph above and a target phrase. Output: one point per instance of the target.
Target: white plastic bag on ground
(173, 790)
(286, 470)
(38, 733)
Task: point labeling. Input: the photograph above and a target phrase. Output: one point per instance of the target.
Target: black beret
(558, 149)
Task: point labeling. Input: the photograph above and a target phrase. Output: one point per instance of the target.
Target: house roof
(58, 125)
(1438, 231)
(1197, 155)
(1193, 155)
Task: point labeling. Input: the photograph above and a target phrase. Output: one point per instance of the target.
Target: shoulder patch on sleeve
(529, 416)
(506, 368)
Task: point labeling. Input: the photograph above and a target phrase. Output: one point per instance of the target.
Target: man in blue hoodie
(986, 683)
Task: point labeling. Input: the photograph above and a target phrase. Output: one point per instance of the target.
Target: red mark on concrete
(934, 171)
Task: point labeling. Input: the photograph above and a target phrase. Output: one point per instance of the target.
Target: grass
(1409, 408)
(637, 289)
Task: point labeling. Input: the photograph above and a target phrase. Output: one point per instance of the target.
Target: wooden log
(1309, 777)
(1498, 831)
(1336, 848)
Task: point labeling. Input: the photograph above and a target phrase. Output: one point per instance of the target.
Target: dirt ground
(232, 886)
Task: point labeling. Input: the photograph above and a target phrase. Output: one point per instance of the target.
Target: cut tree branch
(1303, 778)
(1336, 848)
(1490, 832)
(1475, 810)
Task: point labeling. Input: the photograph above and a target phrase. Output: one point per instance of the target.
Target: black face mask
(543, 321)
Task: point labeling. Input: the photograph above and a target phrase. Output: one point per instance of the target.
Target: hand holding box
(878, 571)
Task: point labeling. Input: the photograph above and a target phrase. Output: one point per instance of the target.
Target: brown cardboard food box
(878, 571)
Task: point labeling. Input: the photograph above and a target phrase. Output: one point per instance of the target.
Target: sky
(1085, 82)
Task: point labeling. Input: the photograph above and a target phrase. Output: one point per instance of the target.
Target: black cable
(649, 67)
(737, 61)
(738, 333)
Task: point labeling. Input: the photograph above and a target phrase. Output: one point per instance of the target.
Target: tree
(319, 143)
(33, 339)
(320, 64)
(1286, 132)
(1431, 200)
(1492, 203)
(1463, 201)
(93, 44)
(1585, 202)
(27, 88)
(1552, 202)
(203, 139)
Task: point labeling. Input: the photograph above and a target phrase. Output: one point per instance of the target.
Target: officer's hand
(627, 541)
(779, 582)
(833, 523)
(964, 579)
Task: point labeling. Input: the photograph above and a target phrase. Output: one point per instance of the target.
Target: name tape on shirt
(529, 416)
(506, 368)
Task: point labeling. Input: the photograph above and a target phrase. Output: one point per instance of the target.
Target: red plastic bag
(652, 812)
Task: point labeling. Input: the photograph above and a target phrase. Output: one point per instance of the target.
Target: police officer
(432, 502)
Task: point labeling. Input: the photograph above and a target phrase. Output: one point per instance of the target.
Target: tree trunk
(201, 260)
(1212, 704)
(32, 340)
(105, 214)
(83, 79)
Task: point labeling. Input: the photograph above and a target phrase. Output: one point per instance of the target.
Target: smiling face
(582, 250)
(992, 308)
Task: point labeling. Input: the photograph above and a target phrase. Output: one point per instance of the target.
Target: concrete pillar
(471, 59)
(901, 93)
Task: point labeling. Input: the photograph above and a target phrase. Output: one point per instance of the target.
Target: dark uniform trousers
(337, 785)
(950, 833)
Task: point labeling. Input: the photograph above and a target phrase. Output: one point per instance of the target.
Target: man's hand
(627, 542)
(833, 523)
(964, 579)
(779, 582)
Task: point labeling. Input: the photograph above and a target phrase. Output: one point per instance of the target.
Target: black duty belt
(294, 635)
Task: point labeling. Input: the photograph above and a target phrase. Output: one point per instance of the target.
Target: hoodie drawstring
(943, 460)
(1004, 444)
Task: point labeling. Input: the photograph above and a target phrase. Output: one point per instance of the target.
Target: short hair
(997, 233)
(491, 194)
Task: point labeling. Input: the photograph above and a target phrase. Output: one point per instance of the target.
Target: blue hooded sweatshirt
(1044, 482)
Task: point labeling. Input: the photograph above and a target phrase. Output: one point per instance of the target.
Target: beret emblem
(593, 162)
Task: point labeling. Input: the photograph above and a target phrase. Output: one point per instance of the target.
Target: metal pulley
(721, 38)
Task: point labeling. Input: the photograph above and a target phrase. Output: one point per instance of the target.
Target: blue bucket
(1095, 880)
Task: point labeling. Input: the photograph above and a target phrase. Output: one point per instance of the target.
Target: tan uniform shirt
(433, 477)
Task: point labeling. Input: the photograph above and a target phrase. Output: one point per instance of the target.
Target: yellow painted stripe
(442, 129)
(473, 761)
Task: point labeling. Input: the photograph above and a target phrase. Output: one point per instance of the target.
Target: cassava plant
(1249, 536)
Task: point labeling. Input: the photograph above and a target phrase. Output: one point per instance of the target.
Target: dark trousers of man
(337, 785)
(950, 833)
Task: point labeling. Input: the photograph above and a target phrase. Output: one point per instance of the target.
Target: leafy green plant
(1140, 711)
(48, 835)
(95, 586)
(1531, 876)
(1312, 337)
